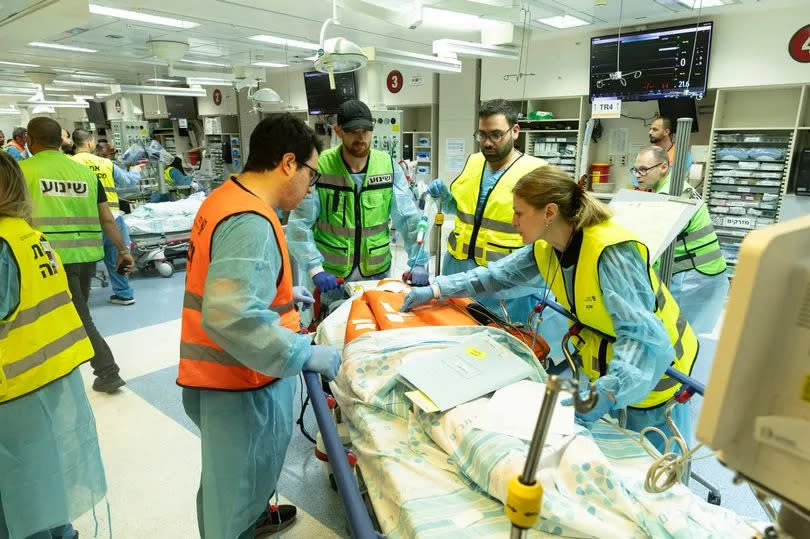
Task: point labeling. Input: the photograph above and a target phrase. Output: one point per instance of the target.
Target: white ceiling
(225, 26)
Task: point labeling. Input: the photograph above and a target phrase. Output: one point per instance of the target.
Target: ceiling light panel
(142, 17)
(60, 47)
(563, 21)
(697, 4)
(18, 64)
(81, 83)
(291, 43)
(175, 81)
(268, 64)
(202, 63)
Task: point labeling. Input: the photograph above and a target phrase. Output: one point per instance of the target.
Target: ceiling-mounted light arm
(337, 55)
(325, 25)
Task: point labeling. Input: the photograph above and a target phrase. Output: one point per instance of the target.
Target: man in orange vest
(240, 349)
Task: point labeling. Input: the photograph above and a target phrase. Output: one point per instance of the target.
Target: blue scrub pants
(120, 283)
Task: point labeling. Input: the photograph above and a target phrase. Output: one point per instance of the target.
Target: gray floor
(303, 479)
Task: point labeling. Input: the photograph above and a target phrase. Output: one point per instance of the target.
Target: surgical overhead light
(338, 55)
(265, 95)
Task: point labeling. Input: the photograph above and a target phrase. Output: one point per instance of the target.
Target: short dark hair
(45, 131)
(278, 135)
(666, 123)
(19, 132)
(81, 137)
(499, 106)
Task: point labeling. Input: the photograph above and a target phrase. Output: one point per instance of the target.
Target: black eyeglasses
(315, 175)
(640, 172)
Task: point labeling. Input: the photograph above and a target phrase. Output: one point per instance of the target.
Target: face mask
(634, 181)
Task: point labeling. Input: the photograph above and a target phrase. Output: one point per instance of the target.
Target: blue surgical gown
(50, 466)
(642, 351)
(518, 300)
(404, 214)
(244, 434)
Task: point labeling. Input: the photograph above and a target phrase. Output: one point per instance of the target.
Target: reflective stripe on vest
(167, 175)
(103, 168)
(352, 227)
(203, 363)
(65, 205)
(697, 247)
(493, 236)
(43, 338)
(596, 346)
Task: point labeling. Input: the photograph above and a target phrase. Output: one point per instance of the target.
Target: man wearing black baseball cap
(341, 229)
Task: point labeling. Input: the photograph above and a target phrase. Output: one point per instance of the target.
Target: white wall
(128, 103)
(457, 113)
(748, 49)
(409, 94)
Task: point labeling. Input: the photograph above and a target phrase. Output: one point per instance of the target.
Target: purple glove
(325, 281)
(419, 276)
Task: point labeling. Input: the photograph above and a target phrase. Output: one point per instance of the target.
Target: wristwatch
(124, 251)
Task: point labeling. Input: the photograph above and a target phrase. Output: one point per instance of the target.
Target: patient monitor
(756, 413)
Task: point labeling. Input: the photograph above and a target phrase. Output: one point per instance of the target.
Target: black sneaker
(279, 517)
(118, 300)
(108, 384)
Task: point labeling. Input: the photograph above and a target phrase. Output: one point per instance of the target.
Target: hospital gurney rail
(359, 520)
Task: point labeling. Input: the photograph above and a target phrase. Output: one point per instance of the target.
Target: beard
(67, 148)
(498, 153)
(358, 149)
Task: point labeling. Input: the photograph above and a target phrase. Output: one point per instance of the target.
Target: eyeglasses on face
(640, 172)
(494, 136)
(314, 176)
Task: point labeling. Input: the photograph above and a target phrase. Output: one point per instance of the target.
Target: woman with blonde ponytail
(600, 273)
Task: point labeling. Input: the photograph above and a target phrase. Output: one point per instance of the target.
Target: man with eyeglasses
(341, 230)
(699, 284)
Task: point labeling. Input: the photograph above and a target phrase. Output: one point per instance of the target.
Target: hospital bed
(441, 475)
(160, 232)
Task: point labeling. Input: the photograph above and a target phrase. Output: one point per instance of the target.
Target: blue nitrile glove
(604, 403)
(325, 361)
(325, 281)
(302, 295)
(419, 276)
(417, 296)
(437, 189)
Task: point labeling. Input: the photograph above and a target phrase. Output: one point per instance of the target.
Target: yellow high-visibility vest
(493, 237)
(596, 346)
(43, 338)
(103, 168)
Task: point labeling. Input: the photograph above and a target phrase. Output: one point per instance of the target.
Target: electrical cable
(304, 403)
(668, 468)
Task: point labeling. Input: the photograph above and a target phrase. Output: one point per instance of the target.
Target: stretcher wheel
(165, 269)
(713, 499)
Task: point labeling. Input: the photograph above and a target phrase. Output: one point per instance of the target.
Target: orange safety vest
(203, 363)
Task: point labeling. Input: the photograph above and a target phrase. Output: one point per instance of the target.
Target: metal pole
(161, 180)
(677, 180)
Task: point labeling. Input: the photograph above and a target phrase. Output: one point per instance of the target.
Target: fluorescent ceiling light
(18, 64)
(85, 84)
(59, 47)
(453, 20)
(90, 77)
(42, 109)
(138, 16)
(563, 21)
(164, 80)
(55, 89)
(82, 97)
(160, 90)
(292, 43)
(393, 56)
(205, 81)
(446, 47)
(696, 4)
(268, 64)
(56, 103)
(102, 96)
(10, 111)
(202, 63)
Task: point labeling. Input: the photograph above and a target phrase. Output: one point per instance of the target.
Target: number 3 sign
(394, 81)
(799, 46)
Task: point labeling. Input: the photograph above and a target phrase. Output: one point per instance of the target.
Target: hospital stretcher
(360, 522)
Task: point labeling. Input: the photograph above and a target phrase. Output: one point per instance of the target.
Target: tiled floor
(151, 450)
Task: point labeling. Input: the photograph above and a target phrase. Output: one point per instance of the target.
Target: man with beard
(341, 229)
(660, 134)
(481, 197)
(67, 146)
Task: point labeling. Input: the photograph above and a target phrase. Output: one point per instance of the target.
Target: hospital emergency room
(405, 269)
